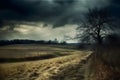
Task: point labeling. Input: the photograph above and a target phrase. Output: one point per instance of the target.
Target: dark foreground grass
(105, 63)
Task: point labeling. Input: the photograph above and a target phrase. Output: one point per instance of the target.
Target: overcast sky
(45, 19)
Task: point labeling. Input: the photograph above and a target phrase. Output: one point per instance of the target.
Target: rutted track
(60, 67)
(69, 67)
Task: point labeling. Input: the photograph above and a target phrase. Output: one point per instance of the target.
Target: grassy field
(104, 63)
(55, 62)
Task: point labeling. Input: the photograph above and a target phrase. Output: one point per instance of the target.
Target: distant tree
(96, 26)
(63, 42)
(49, 42)
(55, 41)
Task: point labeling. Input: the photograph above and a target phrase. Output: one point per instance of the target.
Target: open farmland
(55, 62)
(19, 51)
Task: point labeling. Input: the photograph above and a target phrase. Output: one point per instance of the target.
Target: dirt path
(69, 67)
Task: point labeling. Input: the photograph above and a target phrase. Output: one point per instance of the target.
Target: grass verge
(105, 63)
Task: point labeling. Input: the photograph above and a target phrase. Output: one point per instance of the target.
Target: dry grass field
(104, 64)
(54, 63)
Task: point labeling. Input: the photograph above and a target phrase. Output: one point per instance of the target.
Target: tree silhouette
(55, 41)
(96, 26)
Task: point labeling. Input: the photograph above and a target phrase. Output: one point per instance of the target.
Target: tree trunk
(99, 38)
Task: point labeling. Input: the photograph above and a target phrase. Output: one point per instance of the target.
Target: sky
(46, 19)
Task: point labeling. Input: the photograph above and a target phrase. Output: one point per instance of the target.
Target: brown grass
(17, 53)
(68, 67)
(105, 63)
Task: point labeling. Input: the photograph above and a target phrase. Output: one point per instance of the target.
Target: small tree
(96, 25)
(55, 41)
(63, 42)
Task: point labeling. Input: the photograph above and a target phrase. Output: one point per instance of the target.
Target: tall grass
(106, 63)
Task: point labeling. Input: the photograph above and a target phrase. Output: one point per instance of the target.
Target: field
(42, 62)
(106, 63)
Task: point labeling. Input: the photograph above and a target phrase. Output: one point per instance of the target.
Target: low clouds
(42, 33)
(48, 13)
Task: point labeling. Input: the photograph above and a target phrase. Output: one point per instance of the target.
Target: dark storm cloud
(115, 8)
(31, 10)
(56, 12)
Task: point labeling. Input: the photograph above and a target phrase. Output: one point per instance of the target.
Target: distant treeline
(18, 41)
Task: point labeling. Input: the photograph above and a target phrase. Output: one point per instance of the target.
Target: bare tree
(96, 26)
